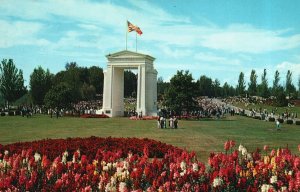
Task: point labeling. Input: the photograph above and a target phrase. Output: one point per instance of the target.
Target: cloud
(218, 60)
(20, 33)
(285, 66)
(175, 52)
(248, 39)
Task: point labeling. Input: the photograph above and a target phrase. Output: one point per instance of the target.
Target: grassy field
(202, 136)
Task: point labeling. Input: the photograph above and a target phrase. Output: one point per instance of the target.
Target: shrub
(289, 121)
(280, 120)
(2, 114)
(11, 113)
(297, 122)
(271, 119)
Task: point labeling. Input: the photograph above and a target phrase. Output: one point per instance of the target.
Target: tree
(161, 87)
(181, 94)
(130, 84)
(96, 78)
(40, 84)
(281, 100)
(289, 87)
(241, 85)
(276, 85)
(205, 86)
(11, 81)
(216, 88)
(88, 92)
(59, 96)
(263, 87)
(252, 86)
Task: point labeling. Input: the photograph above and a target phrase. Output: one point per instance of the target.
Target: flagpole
(135, 42)
(126, 33)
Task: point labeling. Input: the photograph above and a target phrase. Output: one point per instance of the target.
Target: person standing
(277, 125)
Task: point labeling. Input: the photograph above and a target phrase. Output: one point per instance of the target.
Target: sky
(215, 38)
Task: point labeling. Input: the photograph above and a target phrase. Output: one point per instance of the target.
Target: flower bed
(94, 116)
(176, 170)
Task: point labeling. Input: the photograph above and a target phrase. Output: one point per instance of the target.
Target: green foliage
(11, 81)
(205, 86)
(252, 86)
(59, 96)
(77, 77)
(40, 84)
(161, 87)
(130, 84)
(290, 89)
(95, 76)
(241, 85)
(281, 100)
(276, 86)
(182, 92)
(263, 87)
(88, 92)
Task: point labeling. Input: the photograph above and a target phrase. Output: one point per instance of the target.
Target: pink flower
(266, 147)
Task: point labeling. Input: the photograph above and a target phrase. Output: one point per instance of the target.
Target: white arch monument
(113, 89)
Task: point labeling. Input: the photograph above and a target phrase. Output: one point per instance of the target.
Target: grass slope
(202, 136)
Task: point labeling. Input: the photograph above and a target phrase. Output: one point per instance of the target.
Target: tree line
(182, 91)
(60, 90)
(76, 83)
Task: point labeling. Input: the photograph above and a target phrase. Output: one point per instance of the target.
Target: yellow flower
(266, 159)
(254, 172)
(95, 163)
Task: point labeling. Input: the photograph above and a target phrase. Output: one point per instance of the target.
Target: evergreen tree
(263, 87)
(241, 85)
(252, 86)
(276, 85)
(289, 87)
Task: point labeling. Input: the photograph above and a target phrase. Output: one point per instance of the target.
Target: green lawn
(201, 136)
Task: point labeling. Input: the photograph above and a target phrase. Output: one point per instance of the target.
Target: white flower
(217, 182)
(249, 157)
(182, 173)
(37, 157)
(125, 165)
(241, 147)
(64, 157)
(266, 187)
(195, 167)
(109, 165)
(183, 165)
(284, 188)
(273, 179)
(122, 187)
(244, 151)
(105, 168)
(290, 172)
(6, 152)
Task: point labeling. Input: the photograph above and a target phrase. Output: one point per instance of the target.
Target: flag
(132, 27)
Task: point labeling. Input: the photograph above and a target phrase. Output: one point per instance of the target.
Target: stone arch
(113, 89)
